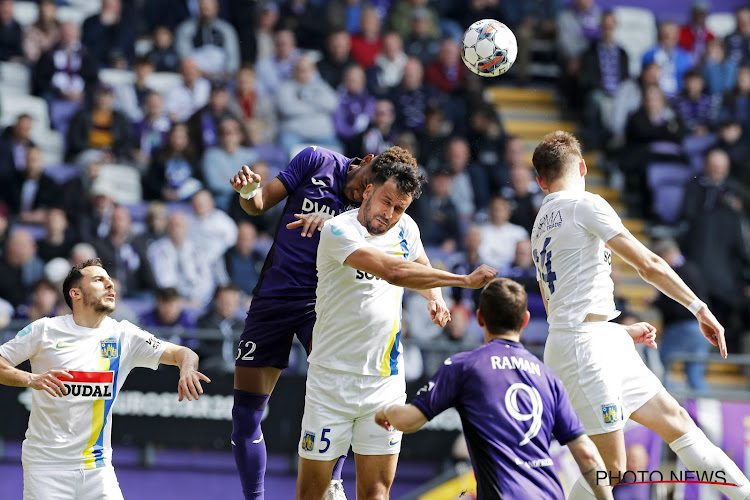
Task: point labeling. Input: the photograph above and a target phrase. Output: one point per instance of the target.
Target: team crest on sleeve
(308, 441)
(611, 413)
(109, 348)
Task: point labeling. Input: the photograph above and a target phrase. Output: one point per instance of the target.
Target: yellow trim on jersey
(97, 422)
(385, 364)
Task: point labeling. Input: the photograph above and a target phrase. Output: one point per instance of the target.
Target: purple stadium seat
(667, 184)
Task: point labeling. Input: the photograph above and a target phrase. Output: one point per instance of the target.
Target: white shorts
(79, 484)
(340, 411)
(605, 377)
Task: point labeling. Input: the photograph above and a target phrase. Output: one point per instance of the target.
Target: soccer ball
(489, 48)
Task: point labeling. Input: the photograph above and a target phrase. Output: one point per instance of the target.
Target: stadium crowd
(159, 102)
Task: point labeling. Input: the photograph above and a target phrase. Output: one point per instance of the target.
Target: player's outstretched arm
(436, 306)
(402, 272)
(405, 418)
(310, 222)
(590, 462)
(254, 198)
(190, 378)
(657, 272)
(49, 382)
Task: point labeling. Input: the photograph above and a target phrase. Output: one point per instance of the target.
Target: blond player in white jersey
(79, 363)
(364, 259)
(596, 360)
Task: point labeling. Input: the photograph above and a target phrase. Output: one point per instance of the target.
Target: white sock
(699, 454)
(581, 490)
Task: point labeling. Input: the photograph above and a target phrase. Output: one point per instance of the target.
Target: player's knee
(247, 412)
(373, 490)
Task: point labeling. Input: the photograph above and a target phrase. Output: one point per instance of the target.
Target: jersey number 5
(544, 263)
(511, 404)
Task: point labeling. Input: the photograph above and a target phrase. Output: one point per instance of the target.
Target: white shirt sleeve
(145, 349)
(25, 345)
(339, 240)
(596, 216)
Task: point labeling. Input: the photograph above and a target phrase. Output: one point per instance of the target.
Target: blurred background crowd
(124, 120)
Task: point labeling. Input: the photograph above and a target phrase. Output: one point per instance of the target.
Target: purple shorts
(270, 327)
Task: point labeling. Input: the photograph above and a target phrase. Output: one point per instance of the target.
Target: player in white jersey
(364, 259)
(79, 363)
(596, 360)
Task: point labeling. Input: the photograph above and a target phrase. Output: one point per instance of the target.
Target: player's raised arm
(657, 272)
(402, 272)
(254, 198)
(190, 378)
(50, 381)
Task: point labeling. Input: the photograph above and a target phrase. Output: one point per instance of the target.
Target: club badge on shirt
(109, 348)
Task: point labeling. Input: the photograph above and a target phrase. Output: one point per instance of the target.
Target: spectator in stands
(500, 236)
(719, 71)
(382, 132)
(211, 42)
(421, 42)
(470, 185)
(259, 45)
(130, 98)
(169, 313)
(388, 69)
(46, 302)
(681, 332)
(305, 105)
(99, 131)
(457, 328)
(151, 131)
(192, 94)
(336, 58)
(219, 163)
(174, 171)
(270, 72)
(163, 54)
(604, 66)
(695, 35)
(435, 213)
(410, 98)
(62, 74)
(244, 261)
(524, 195)
(43, 34)
(355, 111)
(446, 72)
(222, 316)
(577, 27)
(736, 103)
(122, 257)
(203, 125)
(730, 138)
(487, 141)
(58, 240)
(627, 100)
(216, 231)
(367, 43)
(672, 58)
(738, 43)
(465, 261)
(522, 269)
(304, 17)
(715, 241)
(403, 11)
(95, 219)
(30, 192)
(697, 110)
(156, 226)
(258, 113)
(177, 261)
(109, 35)
(20, 267)
(82, 252)
(11, 34)
(4, 224)
(434, 136)
(15, 142)
(530, 21)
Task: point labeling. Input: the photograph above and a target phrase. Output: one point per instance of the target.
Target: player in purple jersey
(318, 184)
(510, 406)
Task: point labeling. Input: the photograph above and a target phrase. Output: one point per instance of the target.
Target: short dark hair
(407, 178)
(73, 279)
(503, 306)
(394, 154)
(556, 150)
(166, 294)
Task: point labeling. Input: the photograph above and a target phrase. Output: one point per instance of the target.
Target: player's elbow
(393, 274)
(652, 268)
(585, 453)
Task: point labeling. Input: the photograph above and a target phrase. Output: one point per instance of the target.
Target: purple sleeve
(568, 425)
(441, 392)
(297, 170)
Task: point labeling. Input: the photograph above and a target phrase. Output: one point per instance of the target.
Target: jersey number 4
(544, 263)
